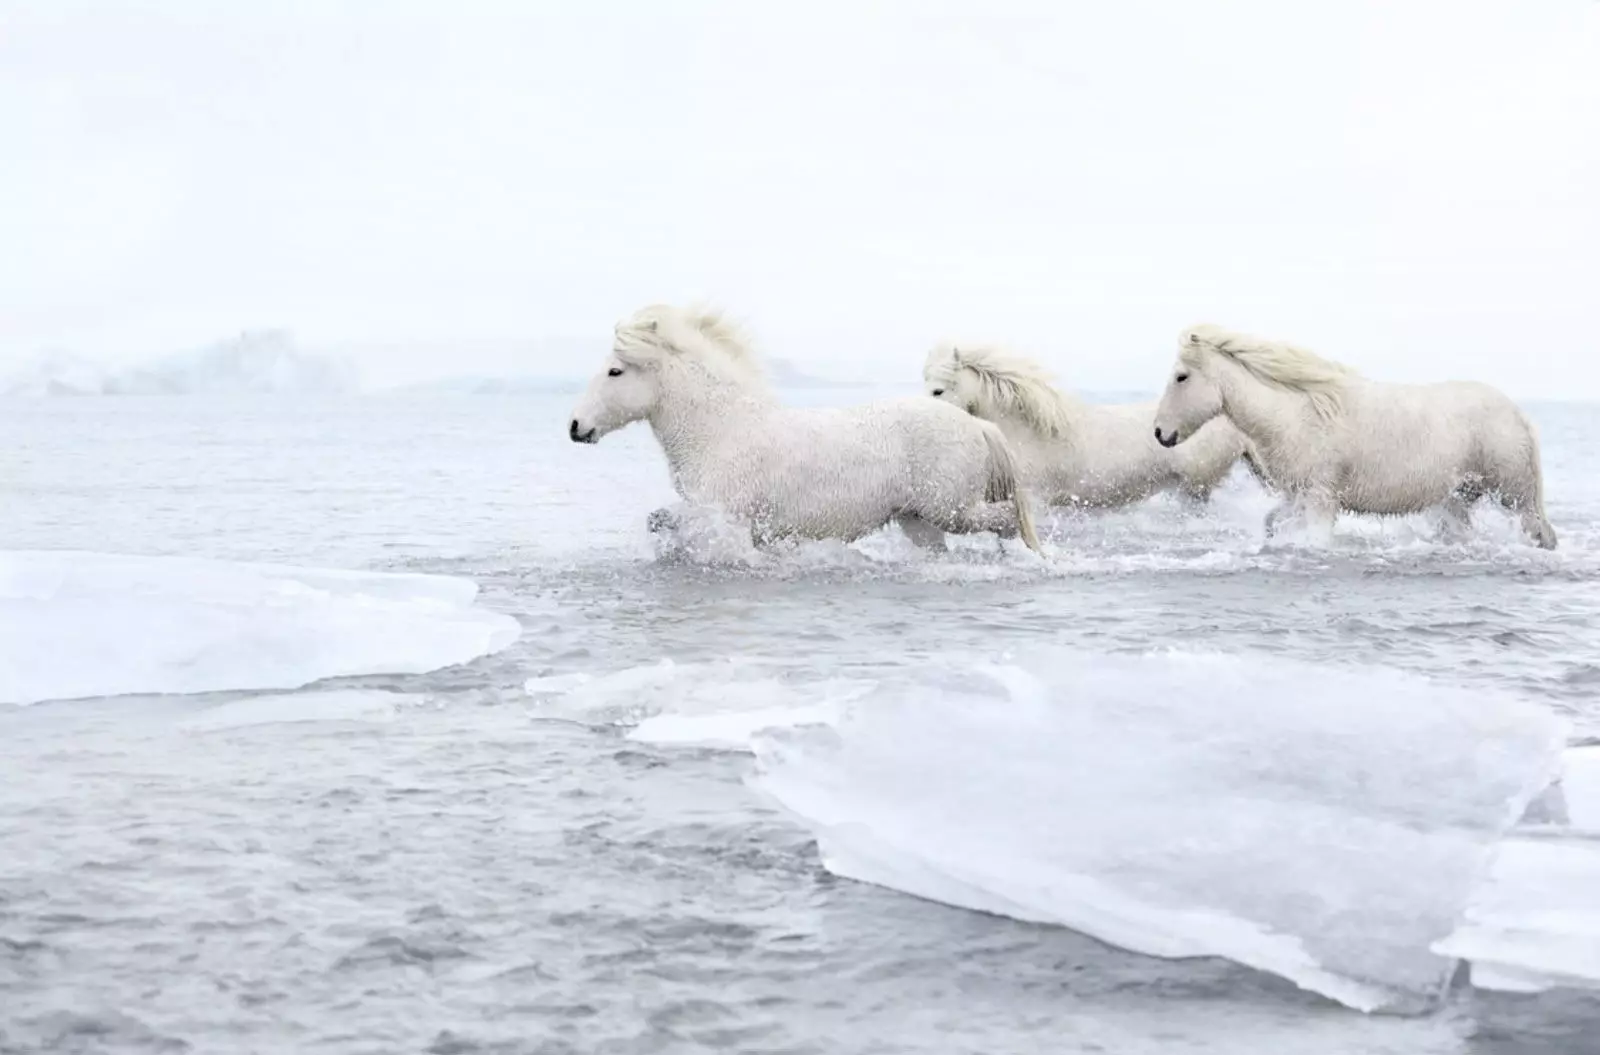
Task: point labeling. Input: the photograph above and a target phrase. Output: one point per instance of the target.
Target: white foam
(76, 624)
(1323, 824)
(340, 705)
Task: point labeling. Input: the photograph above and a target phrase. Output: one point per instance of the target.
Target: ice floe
(78, 624)
(1326, 825)
(1534, 925)
(333, 705)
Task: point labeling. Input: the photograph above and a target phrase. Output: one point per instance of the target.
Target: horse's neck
(1019, 428)
(689, 423)
(1269, 417)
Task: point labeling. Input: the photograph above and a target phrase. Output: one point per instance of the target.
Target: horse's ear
(955, 356)
(655, 324)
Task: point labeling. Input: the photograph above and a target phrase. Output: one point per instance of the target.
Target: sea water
(381, 723)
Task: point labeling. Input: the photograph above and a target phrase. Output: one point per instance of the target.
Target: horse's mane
(664, 333)
(1007, 382)
(1286, 366)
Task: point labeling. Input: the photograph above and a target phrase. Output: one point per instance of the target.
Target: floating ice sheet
(336, 705)
(1534, 924)
(76, 624)
(720, 704)
(1323, 824)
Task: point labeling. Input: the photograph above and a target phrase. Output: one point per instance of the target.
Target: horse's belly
(841, 508)
(1397, 490)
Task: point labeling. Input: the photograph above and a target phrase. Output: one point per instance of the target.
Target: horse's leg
(1314, 515)
(921, 533)
(1275, 516)
(999, 517)
(1533, 520)
(1456, 515)
(1194, 496)
(1321, 512)
(1519, 492)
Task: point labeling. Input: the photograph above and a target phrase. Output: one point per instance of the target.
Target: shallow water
(460, 866)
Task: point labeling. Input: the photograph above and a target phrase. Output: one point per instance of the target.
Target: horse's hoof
(659, 521)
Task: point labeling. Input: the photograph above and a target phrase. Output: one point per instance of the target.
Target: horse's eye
(938, 391)
(615, 371)
(1181, 378)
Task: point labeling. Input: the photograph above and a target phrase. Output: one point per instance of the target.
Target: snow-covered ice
(1327, 825)
(78, 624)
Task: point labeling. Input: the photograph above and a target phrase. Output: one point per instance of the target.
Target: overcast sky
(1413, 187)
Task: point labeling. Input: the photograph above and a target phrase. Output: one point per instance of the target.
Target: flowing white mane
(1277, 363)
(1007, 384)
(663, 333)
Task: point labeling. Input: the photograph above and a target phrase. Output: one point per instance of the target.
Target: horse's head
(1192, 396)
(947, 376)
(628, 385)
(658, 350)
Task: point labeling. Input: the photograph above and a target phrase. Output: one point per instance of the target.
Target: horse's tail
(1547, 534)
(1004, 485)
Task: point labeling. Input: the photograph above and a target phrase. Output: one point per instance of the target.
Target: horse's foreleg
(1314, 516)
(1193, 497)
(1275, 517)
(1320, 515)
(1456, 516)
(921, 533)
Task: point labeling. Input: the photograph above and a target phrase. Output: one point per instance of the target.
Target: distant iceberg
(57, 374)
(259, 362)
(90, 624)
(1327, 825)
(496, 386)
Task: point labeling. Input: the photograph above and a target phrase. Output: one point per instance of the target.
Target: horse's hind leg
(921, 533)
(1519, 491)
(1533, 520)
(999, 517)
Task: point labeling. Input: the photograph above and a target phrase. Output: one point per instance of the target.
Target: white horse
(1332, 440)
(808, 473)
(1075, 453)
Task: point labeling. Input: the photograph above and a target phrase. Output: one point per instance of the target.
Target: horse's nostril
(572, 429)
(1158, 431)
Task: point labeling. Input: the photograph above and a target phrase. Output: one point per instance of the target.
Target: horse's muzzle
(577, 436)
(1165, 441)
